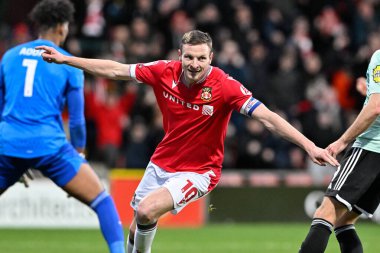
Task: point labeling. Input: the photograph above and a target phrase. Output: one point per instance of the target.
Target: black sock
(131, 241)
(318, 237)
(147, 227)
(348, 239)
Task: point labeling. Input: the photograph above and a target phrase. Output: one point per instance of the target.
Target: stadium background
(300, 57)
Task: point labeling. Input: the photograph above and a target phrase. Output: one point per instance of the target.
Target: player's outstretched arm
(366, 117)
(280, 126)
(104, 68)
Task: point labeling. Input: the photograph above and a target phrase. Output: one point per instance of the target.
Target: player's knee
(325, 210)
(330, 210)
(144, 214)
(347, 219)
(322, 212)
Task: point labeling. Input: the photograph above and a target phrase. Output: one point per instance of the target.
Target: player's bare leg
(148, 211)
(330, 210)
(86, 187)
(347, 219)
(154, 205)
(345, 232)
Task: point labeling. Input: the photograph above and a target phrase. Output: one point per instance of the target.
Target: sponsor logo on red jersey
(207, 110)
(176, 100)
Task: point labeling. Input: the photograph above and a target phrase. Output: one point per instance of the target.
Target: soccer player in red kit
(196, 101)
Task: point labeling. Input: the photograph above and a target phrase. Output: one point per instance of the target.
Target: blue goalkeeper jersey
(33, 94)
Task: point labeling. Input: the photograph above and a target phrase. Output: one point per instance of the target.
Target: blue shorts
(60, 167)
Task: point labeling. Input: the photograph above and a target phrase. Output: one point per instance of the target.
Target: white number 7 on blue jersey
(31, 66)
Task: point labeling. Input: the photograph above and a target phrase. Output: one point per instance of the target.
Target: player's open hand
(322, 156)
(336, 147)
(50, 54)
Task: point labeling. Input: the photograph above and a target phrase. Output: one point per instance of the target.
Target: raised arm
(104, 68)
(280, 126)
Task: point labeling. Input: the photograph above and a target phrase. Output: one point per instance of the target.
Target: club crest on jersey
(206, 94)
(376, 74)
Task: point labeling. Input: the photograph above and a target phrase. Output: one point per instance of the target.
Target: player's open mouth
(194, 71)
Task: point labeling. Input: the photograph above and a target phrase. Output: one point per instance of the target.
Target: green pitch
(250, 238)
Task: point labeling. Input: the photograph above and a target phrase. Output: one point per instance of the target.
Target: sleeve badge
(376, 74)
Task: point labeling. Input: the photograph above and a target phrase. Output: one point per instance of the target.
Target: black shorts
(356, 183)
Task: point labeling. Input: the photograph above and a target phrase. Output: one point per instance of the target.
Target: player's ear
(62, 29)
(211, 56)
(179, 54)
(59, 29)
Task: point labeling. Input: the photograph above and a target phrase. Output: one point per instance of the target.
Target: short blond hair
(196, 37)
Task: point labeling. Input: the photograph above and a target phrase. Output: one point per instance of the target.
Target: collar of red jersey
(200, 81)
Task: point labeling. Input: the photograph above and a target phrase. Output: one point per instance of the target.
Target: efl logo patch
(376, 74)
(244, 90)
(206, 94)
(207, 110)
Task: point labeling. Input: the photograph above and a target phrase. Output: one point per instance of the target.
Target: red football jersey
(195, 118)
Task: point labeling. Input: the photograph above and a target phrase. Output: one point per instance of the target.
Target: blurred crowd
(301, 58)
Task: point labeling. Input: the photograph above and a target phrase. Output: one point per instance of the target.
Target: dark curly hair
(49, 13)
